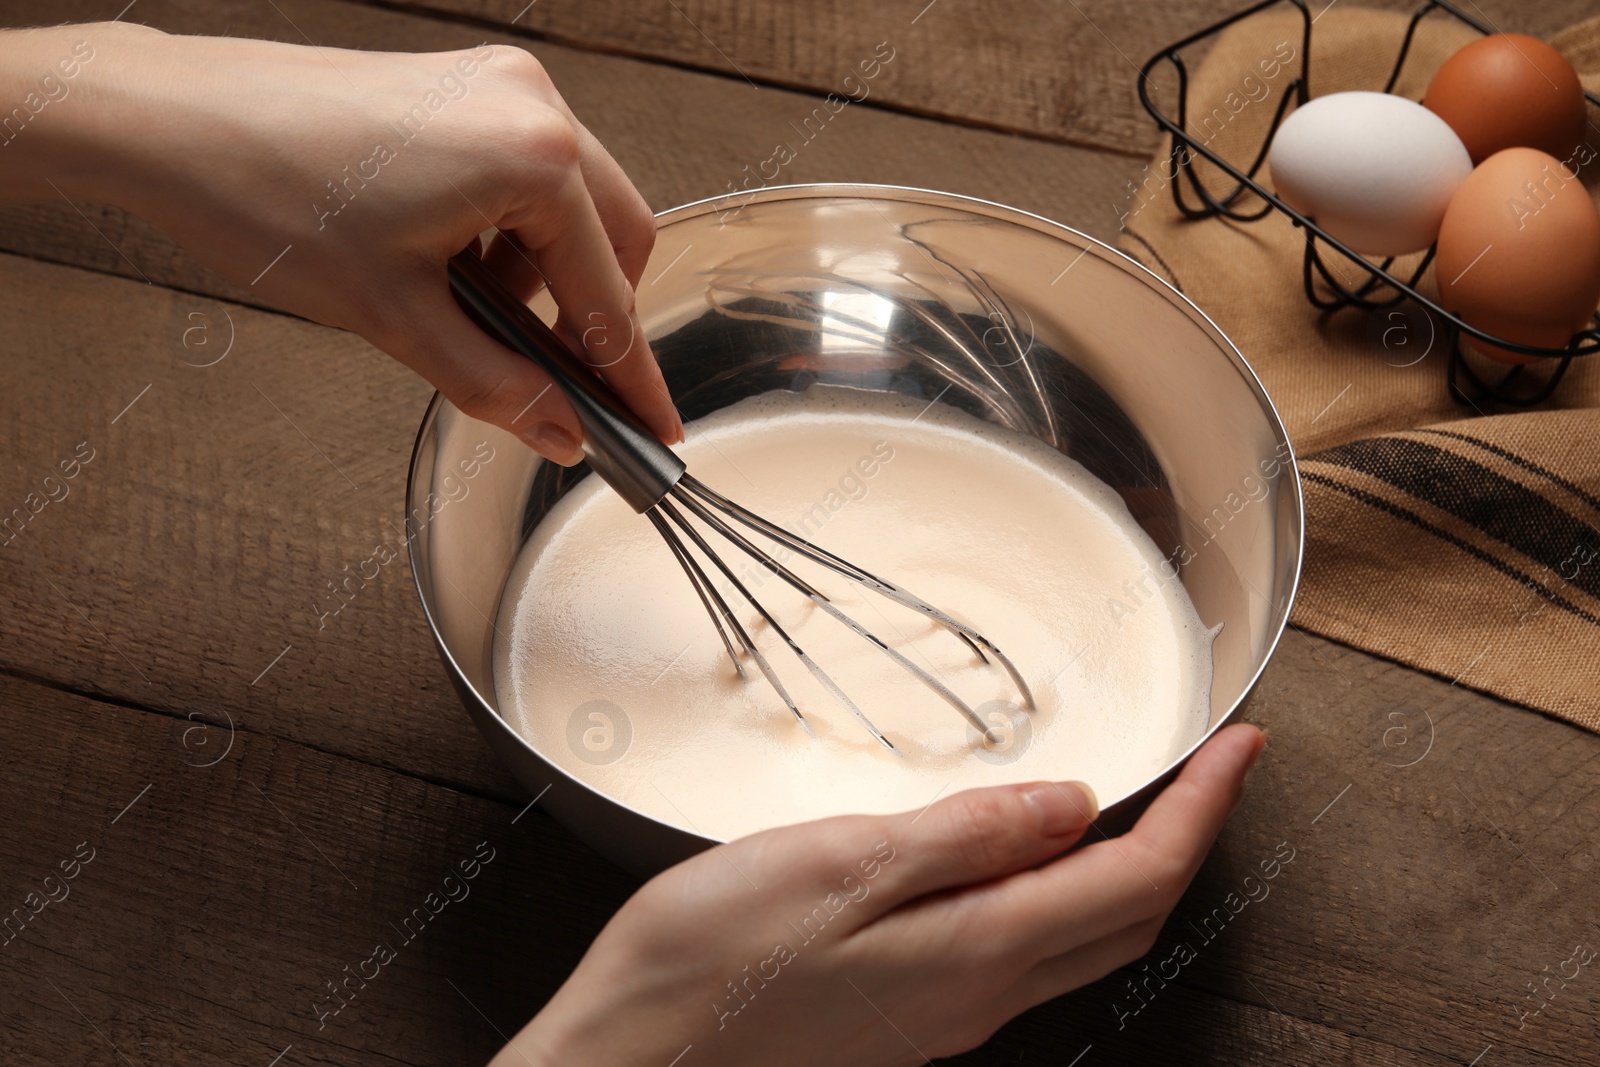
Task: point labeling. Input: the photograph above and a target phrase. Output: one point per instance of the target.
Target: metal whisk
(656, 483)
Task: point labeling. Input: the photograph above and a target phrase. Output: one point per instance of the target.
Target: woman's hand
(337, 183)
(872, 940)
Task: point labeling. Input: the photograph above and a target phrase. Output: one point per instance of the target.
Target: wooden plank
(180, 568)
(211, 905)
(1444, 859)
(1061, 71)
(217, 902)
(681, 135)
(1182, 1026)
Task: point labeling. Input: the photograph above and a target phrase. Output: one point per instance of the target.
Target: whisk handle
(619, 446)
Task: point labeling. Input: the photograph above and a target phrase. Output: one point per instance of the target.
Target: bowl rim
(992, 209)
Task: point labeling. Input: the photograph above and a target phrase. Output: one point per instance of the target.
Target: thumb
(983, 834)
(482, 377)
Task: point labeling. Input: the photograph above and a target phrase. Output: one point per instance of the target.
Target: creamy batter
(607, 663)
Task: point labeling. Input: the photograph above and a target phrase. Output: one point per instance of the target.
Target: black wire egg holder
(1381, 290)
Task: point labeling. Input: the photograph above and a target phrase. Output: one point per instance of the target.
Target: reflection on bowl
(1007, 316)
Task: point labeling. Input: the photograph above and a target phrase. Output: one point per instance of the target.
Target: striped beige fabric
(1460, 540)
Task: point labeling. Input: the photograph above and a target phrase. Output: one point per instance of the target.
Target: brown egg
(1508, 91)
(1519, 252)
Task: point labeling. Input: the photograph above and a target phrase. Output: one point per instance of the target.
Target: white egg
(1374, 170)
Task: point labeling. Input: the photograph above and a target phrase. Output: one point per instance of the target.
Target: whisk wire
(686, 558)
(827, 559)
(739, 540)
(777, 628)
(703, 587)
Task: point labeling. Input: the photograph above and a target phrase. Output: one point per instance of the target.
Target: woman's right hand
(337, 183)
(866, 941)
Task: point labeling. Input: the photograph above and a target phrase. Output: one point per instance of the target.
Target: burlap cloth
(1458, 541)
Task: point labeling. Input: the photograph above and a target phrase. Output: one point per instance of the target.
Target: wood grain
(188, 554)
(220, 898)
(217, 906)
(1060, 71)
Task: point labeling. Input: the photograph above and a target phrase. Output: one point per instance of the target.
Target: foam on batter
(606, 662)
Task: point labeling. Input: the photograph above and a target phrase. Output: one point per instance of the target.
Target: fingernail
(1254, 756)
(668, 426)
(1261, 745)
(554, 443)
(1063, 807)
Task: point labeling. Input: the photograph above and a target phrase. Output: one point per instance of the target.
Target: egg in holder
(1369, 174)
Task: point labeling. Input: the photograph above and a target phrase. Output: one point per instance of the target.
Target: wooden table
(247, 802)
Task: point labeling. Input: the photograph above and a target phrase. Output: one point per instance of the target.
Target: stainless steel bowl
(1007, 315)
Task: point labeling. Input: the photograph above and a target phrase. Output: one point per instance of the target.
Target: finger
(573, 253)
(981, 834)
(514, 266)
(483, 378)
(628, 221)
(1140, 875)
(1049, 978)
